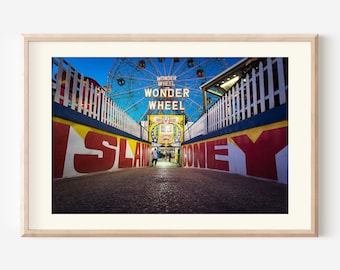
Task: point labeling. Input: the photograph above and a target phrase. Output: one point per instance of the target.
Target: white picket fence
(73, 90)
(194, 129)
(252, 95)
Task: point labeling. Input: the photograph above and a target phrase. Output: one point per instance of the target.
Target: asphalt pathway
(168, 189)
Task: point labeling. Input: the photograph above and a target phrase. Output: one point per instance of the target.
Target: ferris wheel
(130, 78)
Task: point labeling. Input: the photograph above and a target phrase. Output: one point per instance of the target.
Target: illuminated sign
(166, 129)
(166, 91)
(166, 80)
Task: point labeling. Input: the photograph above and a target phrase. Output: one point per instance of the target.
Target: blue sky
(93, 67)
(130, 96)
(98, 67)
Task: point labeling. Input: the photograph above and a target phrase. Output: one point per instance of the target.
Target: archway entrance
(170, 154)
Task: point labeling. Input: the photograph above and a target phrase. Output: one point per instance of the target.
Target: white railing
(87, 97)
(195, 129)
(263, 88)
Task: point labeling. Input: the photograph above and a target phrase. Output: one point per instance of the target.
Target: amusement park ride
(164, 94)
(135, 82)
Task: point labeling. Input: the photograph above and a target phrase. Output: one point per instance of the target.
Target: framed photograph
(170, 135)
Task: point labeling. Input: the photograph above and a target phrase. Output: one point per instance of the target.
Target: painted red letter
(137, 156)
(84, 163)
(184, 156)
(216, 151)
(145, 154)
(189, 155)
(124, 162)
(260, 156)
(60, 139)
(199, 155)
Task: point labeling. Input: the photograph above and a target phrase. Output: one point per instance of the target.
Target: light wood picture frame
(37, 219)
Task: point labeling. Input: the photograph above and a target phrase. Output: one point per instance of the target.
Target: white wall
(151, 16)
